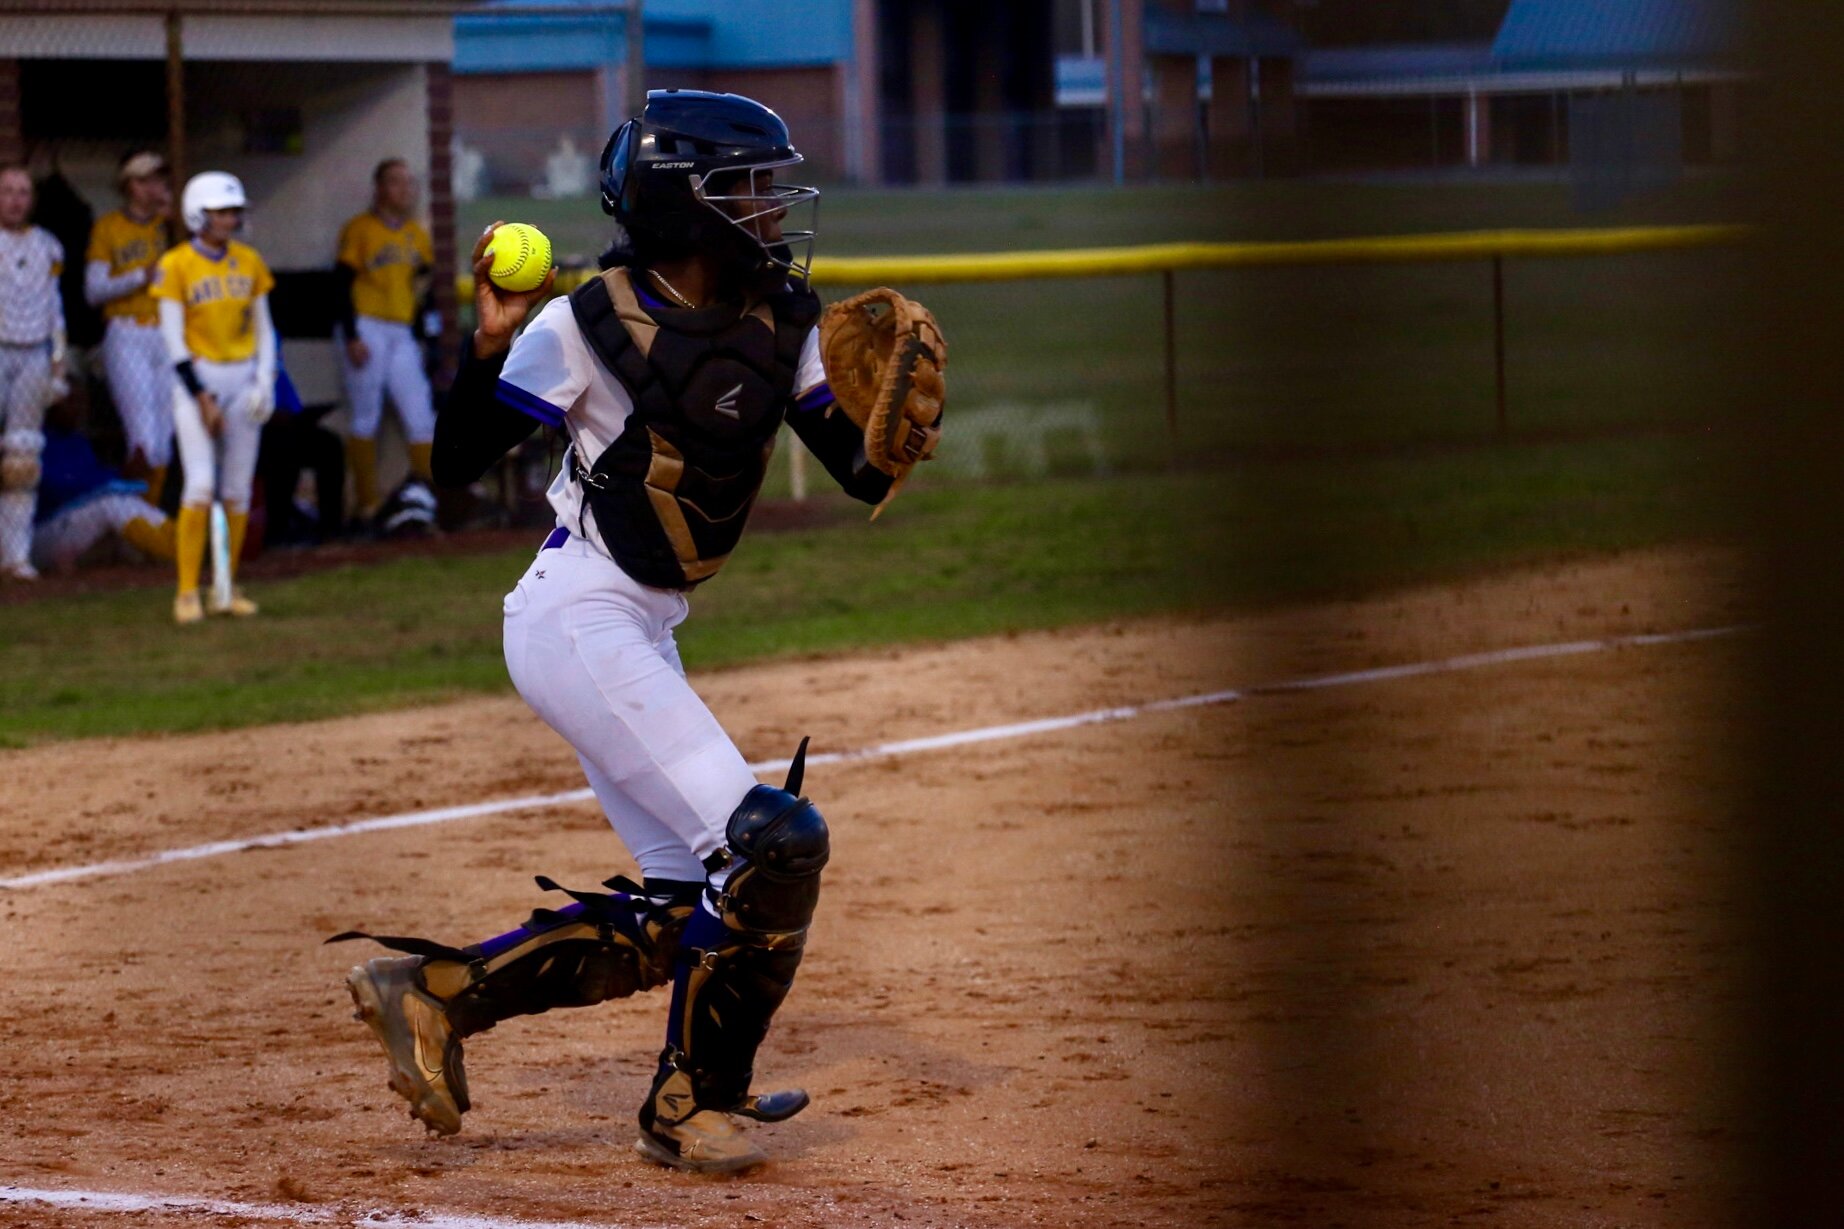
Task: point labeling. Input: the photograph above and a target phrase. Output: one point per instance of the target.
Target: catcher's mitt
(884, 355)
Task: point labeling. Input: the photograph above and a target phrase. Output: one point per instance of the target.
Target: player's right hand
(499, 313)
(211, 412)
(357, 352)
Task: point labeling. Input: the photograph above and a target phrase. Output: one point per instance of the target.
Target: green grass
(941, 564)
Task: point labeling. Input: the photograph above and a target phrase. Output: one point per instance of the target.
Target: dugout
(298, 98)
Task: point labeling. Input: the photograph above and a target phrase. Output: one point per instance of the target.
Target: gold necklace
(668, 288)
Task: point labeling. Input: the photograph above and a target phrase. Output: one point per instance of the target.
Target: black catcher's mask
(695, 172)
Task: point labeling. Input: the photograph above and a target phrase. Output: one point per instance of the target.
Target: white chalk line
(937, 742)
(295, 1214)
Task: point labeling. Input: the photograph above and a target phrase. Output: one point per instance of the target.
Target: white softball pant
(396, 367)
(140, 376)
(592, 652)
(64, 535)
(25, 387)
(225, 467)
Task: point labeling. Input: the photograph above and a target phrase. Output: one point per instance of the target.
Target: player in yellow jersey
(383, 253)
(118, 268)
(213, 294)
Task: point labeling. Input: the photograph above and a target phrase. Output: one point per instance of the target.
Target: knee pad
(777, 843)
(19, 465)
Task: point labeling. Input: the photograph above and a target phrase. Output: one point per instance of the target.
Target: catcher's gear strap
(709, 389)
(736, 968)
(885, 358)
(476, 428)
(604, 946)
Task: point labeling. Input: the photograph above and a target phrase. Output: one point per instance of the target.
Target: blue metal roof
(687, 34)
(1539, 34)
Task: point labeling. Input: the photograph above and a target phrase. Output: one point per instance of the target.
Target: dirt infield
(1088, 977)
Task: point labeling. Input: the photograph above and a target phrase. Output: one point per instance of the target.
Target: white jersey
(553, 375)
(30, 311)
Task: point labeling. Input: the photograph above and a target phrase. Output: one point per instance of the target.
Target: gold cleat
(674, 1132)
(239, 606)
(413, 1027)
(187, 608)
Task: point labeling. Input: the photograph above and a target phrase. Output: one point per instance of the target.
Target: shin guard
(604, 946)
(736, 967)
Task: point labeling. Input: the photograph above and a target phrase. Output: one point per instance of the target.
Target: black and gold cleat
(676, 1133)
(412, 1026)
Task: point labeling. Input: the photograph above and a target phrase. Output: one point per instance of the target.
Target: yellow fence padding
(1164, 257)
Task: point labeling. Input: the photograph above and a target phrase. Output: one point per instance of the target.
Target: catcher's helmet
(681, 176)
(209, 190)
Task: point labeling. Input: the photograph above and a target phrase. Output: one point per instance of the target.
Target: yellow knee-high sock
(156, 483)
(239, 524)
(194, 522)
(154, 541)
(362, 460)
(419, 461)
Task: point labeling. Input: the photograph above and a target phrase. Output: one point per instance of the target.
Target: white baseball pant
(592, 652)
(25, 387)
(64, 535)
(223, 468)
(396, 367)
(140, 376)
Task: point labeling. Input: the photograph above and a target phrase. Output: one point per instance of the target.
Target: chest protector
(709, 387)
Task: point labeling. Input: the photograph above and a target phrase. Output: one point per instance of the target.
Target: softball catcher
(31, 363)
(118, 269)
(213, 294)
(671, 373)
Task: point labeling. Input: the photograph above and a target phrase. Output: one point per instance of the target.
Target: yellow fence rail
(1169, 259)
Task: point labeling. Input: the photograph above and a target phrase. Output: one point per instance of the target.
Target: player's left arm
(59, 333)
(833, 438)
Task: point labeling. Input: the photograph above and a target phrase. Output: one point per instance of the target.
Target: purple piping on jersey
(530, 404)
(816, 396)
(647, 300)
(512, 938)
(557, 538)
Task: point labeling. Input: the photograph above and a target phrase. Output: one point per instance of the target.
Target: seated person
(81, 501)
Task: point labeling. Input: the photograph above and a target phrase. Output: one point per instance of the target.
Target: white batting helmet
(209, 190)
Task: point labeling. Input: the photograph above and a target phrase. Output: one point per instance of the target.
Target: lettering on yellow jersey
(391, 254)
(220, 286)
(138, 251)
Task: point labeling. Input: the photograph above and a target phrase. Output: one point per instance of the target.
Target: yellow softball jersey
(219, 294)
(386, 259)
(124, 245)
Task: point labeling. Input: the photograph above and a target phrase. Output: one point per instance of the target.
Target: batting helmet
(209, 190)
(681, 176)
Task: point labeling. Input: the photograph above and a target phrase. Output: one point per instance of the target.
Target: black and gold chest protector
(709, 387)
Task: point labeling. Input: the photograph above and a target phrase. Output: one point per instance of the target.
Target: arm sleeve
(173, 331)
(265, 342)
(100, 288)
(830, 436)
(476, 427)
(59, 334)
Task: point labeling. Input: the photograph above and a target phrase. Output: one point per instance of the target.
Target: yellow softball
(521, 257)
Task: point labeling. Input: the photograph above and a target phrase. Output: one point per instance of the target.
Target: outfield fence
(1018, 436)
